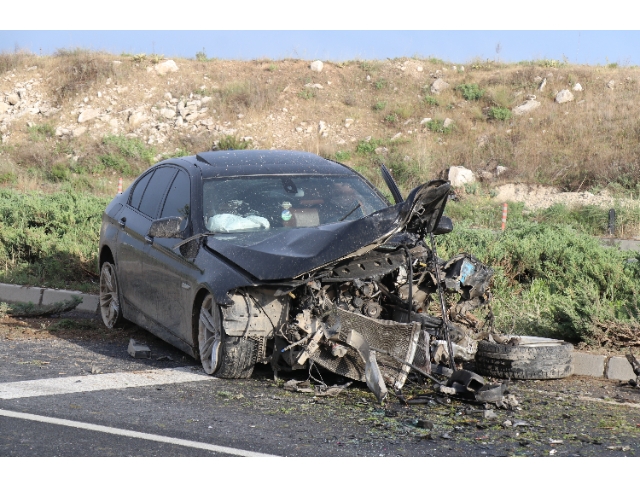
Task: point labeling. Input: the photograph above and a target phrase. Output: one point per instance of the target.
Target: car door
(171, 273)
(142, 209)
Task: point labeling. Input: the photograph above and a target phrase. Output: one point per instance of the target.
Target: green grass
(41, 132)
(130, 147)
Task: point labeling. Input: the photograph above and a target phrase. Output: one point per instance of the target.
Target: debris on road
(137, 350)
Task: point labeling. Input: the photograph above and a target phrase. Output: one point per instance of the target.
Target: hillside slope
(84, 118)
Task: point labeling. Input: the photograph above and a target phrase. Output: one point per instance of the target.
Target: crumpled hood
(276, 254)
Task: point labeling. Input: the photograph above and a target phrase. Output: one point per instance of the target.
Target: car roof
(264, 162)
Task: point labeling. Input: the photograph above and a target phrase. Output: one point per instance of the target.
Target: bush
(50, 240)
(130, 147)
(430, 100)
(60, 172)
(391, 118)
(437, 125)
(499, 113)
(115, 162)
(343, 155)
(379, 106)
(552, 280)
(368, 146)
(230, 142)
(470, 92)
(41, 132)
(380, 84)
(307, 93)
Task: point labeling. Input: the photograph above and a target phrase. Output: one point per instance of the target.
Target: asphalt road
(72, 390)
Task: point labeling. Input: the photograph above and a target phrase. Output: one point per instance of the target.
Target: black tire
(110, 299)
(221, 355)
(537, 361)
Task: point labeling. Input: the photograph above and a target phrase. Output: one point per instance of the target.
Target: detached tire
(525, 361)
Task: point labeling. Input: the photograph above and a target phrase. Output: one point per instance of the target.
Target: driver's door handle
(148, 239)
(122, 222)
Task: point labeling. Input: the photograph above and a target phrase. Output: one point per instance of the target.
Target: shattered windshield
(257, 203)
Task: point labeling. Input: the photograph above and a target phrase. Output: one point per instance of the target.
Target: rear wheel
(221, 355)
(109, 296)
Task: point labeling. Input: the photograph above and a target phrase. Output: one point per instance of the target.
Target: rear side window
(138, 191)
(179, 199)
(155, 191)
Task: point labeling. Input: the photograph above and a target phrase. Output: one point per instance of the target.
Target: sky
(576, 47)
(333, 30)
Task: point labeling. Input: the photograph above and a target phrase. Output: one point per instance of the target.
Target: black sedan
(246, 257)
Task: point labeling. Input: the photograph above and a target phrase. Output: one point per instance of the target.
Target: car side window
(138, 191)
(178, 199)
(155, 191)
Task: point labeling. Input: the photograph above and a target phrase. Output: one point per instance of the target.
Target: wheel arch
(106, 255)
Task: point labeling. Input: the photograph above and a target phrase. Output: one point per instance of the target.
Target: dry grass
(589, 142)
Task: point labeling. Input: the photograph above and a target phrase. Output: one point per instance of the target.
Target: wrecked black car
(286, 258)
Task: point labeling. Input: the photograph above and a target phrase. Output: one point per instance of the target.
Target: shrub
(367, 146)
(430, 100)
(115, 162)
(437, 125)
(470, 92)
(343, 155)
(201, 55)
(41, 132)
(230, 142)
(130, 147)
(379, 106)
(391, 118)
(380, 84)
(499, 113)
(50, 240)
(60, 172)
(8, 178)
(552, 280)
(307, 93)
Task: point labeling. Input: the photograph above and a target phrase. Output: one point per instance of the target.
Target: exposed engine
(368, 317)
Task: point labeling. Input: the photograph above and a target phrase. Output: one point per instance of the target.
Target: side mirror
(445, 225)
(166, 228)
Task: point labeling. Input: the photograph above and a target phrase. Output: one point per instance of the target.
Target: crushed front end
(372, 315)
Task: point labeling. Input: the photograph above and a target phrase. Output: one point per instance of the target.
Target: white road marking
(133, 434)
(99, 382)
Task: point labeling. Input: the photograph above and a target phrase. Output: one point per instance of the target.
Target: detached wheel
(110, 296)
(531, 359)
(221, 355)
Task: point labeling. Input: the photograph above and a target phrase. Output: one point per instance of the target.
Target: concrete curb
(11, 293)
(603, 366)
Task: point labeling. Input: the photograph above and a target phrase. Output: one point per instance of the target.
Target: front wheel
(110, 308)
(221, 355)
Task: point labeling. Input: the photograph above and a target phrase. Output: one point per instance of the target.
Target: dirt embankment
(418, 116)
